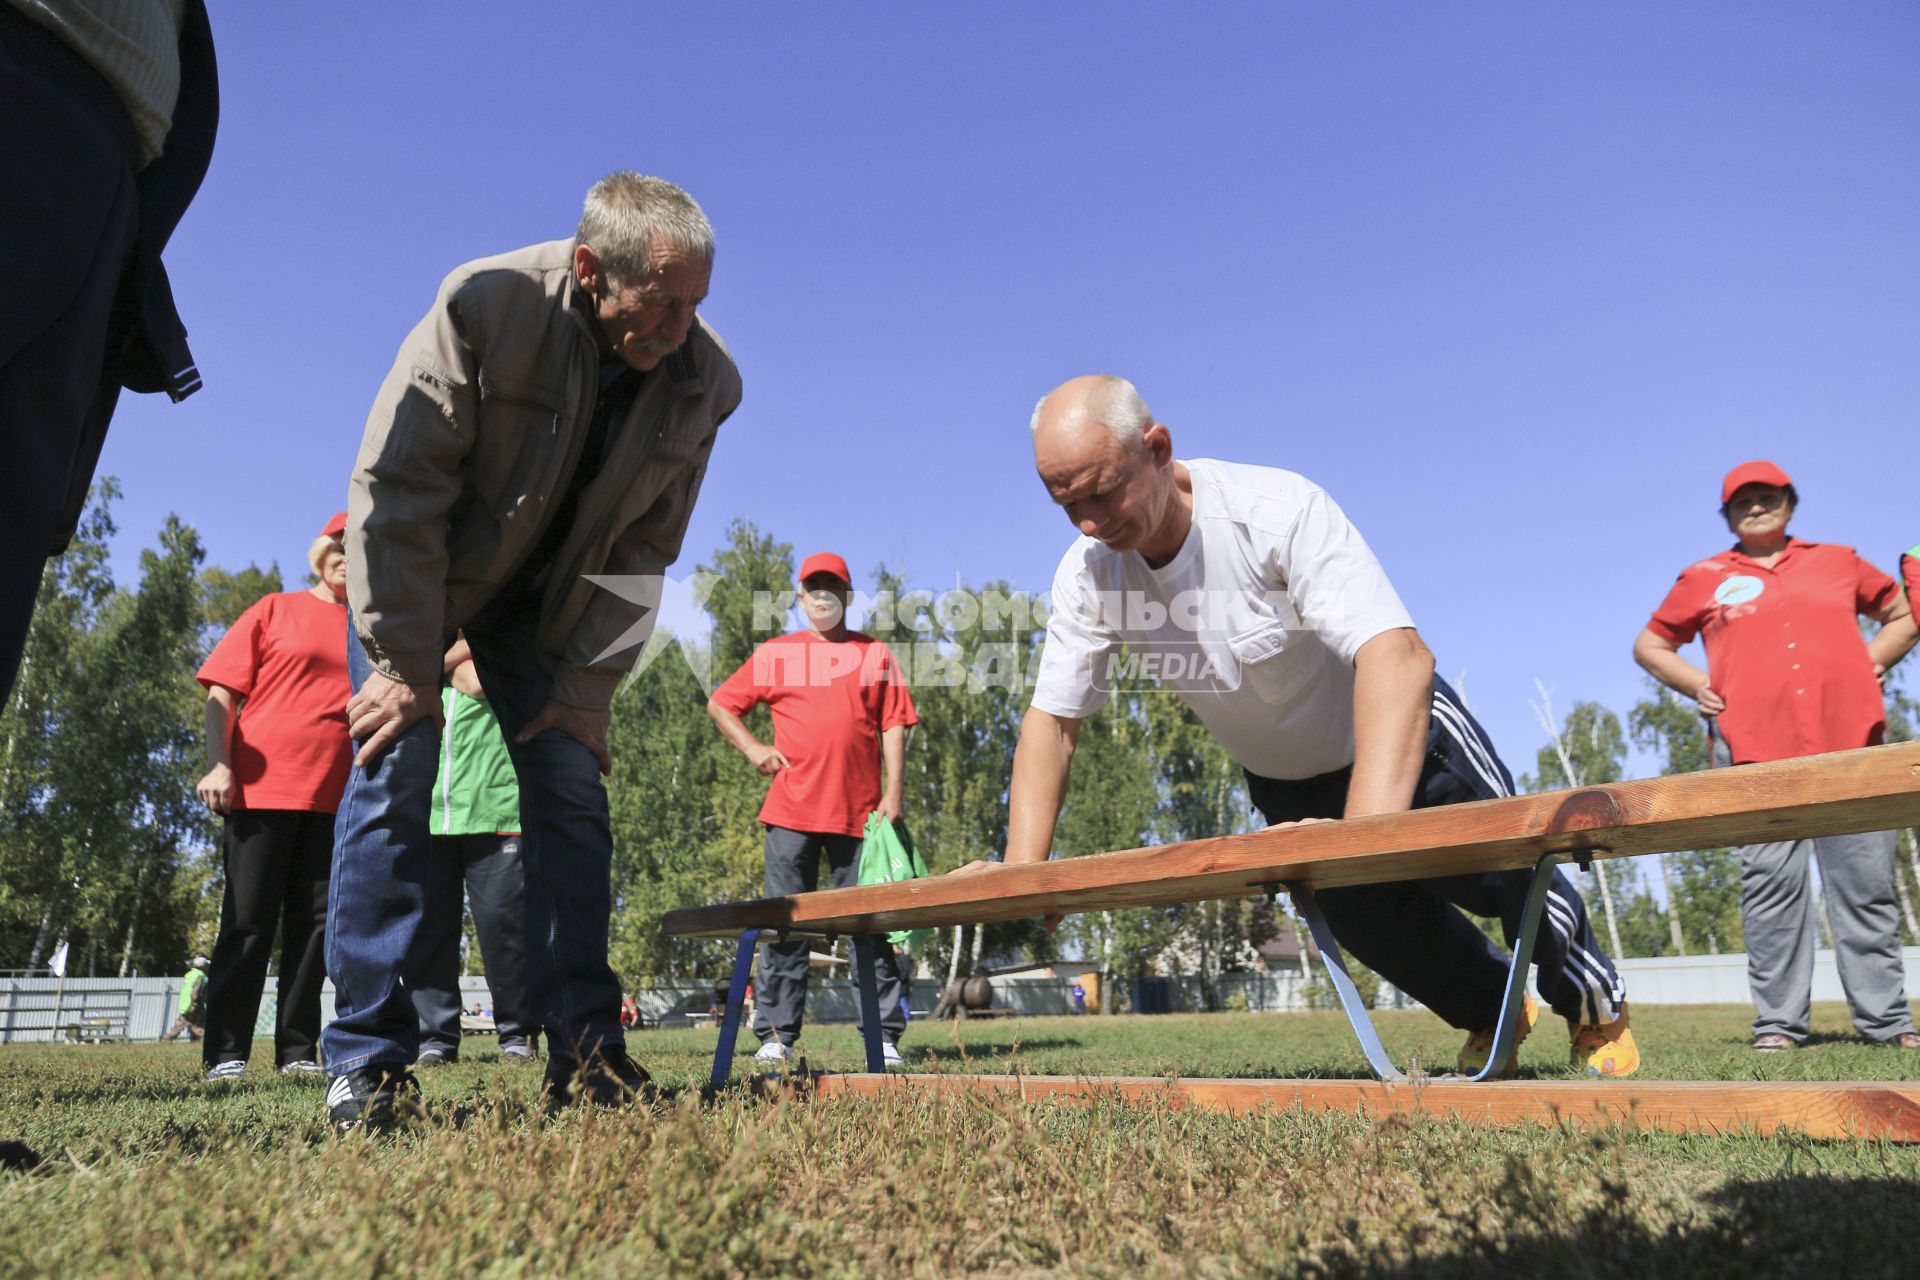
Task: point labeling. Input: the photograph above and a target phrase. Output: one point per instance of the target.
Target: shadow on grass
(1812, 1225)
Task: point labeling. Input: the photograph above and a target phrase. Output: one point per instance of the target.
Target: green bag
(887, 856)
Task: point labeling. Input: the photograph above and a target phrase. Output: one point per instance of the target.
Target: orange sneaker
(1479, 1046)
(1606, 1050)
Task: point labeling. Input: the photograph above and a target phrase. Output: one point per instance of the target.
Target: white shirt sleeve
(1077, 647)
(1333, 580)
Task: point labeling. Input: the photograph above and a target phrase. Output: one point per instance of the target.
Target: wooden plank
(1844, 1110)
(1867, 790)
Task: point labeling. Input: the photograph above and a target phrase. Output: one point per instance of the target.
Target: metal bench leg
(869, 987)
(736, 1002)
(1336, 962)
(1506, 1030)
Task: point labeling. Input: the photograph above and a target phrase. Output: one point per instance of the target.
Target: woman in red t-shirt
(1788, 674)
(277, 759)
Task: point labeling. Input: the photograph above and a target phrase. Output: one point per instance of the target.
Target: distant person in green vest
(476, 844)
(1910, 579)
(193, 1003)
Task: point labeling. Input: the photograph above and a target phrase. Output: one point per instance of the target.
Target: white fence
(49, 1009)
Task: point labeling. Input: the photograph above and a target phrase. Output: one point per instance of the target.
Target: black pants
(67, 221)
(1412, 933)
(488, 866)
(780, 1001)
(277, 862)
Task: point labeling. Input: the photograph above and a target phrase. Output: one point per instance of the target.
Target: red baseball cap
(1747, 473)
(336, 526)
(825, 562)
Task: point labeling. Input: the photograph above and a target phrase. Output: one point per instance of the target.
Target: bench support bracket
(736, 1001)
(866, 988)
(1506, 1031)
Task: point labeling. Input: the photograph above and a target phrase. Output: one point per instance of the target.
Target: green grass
(149, 1172)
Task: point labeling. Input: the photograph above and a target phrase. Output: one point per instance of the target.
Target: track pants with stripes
(1413, 933)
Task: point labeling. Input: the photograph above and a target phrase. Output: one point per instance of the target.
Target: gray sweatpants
(1776, 908)
(1776, 912)
(780, 999)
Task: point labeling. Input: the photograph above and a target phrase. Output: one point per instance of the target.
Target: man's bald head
(1097, 400)
(1106, 462)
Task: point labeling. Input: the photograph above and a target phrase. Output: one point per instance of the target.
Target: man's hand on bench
(989, 864)
(1297, 822)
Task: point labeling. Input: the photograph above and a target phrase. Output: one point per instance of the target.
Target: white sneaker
(302, 1067)
(890, 1055)
(772, 1053)
(228, 1070)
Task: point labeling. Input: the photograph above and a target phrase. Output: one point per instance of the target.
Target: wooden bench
(1868, 790)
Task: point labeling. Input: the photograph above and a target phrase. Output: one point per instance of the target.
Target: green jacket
(476, 791)
(190, 989)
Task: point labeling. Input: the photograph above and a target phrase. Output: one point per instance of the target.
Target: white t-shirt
(1254, 623)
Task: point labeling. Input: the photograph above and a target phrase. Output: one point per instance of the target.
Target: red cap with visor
(1746, 473)
(825, 562)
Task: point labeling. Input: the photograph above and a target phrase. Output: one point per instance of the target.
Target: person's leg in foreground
(780, 1003)
(382, 852)
(566, 851)
(259, 857)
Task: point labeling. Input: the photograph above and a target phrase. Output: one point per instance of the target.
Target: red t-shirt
(1784, 647)
(830, 699)
(287, 656)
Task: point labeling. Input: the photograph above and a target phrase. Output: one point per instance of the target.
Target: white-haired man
(1297, 654)
(547, 422)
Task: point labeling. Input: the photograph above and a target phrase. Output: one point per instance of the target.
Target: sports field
(148, 1171)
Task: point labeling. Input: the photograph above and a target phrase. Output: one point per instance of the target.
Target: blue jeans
(382, 864)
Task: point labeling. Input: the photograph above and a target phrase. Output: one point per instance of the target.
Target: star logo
(679, 604)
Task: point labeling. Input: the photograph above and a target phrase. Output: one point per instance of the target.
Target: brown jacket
(466, 453)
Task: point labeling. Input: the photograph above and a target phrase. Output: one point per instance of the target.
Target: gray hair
(626, 211)
(1114, 403)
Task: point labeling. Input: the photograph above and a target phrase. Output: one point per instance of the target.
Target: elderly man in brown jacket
(525, 478)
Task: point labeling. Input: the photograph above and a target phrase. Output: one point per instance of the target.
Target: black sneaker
(436, 1056)
(376, 1098)
(608, 1078)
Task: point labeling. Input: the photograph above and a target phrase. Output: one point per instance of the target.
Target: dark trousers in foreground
(276, 862)
(1413, 934)
(67, 221)
(488, 868)
(780, 1001)
(383, 855)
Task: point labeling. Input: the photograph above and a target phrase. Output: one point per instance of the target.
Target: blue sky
(1515, 282)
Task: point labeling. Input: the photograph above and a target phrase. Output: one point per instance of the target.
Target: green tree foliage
(1706, 882)
(1591, 750)
(226, 594)
(1596, 749)
(98, 825)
